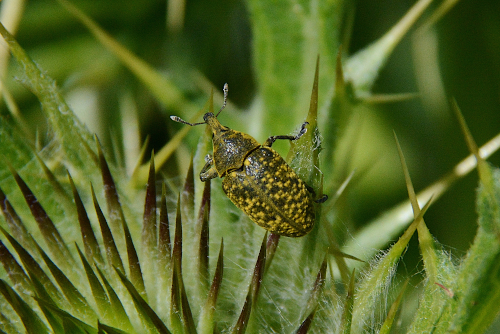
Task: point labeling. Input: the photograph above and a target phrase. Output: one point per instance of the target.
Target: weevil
(257, 179)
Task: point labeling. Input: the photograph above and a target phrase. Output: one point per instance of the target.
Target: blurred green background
(212, 44)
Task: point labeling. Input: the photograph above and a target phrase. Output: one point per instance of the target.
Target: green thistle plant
(178, 257)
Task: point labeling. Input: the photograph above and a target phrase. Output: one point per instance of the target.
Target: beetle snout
(208, 116)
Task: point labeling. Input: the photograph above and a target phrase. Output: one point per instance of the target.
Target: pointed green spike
(53, 319)
(177, 250)
(203, 250)
(71, 293)
(57, 188)
(111, 251)
(175, 302)
(151, 319)
(100, 296)
(253, 290)
(391, 315)
(207, 322)
(105, 329)
(35, 271)
(14, 269)
(348, 305)
(119, 315)
(369, 291)
(150, 237)
(164, 245)
(66, 316)
(164, 256)
(16, 226)
(306, 324)
(115, 212)
(134, 265)
(91, 246)
(71, 327)
(52, 237)
(187, 315)
(271, 246)
(187, 195)
(149, 226)
(30, 319)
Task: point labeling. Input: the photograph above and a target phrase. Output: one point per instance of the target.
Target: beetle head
(212, 121)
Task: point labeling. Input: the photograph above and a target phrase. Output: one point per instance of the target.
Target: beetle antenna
(180, 120)
(225, 90)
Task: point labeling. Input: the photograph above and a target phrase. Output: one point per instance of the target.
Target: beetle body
(257, 179)
(271, 193)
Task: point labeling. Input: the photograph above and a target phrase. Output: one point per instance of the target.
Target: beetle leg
(208, 171)
(209, 159)
(320, 200)
(272, 139)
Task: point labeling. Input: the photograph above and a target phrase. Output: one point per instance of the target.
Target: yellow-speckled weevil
(257, 179)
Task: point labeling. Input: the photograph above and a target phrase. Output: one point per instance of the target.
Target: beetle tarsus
(270, 141)
(208, 171)
(322, 199)
(302, 131)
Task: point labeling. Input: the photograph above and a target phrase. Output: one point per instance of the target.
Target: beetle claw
(322, 199)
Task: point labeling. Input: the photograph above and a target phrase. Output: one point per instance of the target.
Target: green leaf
(434, 309)
(287, 38)
(15, 148)
(370, 293)
(348, 306)
(363, 68)
(387, 325)
(71, 134)
(478, 281)
(438, 268)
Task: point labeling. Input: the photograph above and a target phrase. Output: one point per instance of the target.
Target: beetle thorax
(230, 147)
